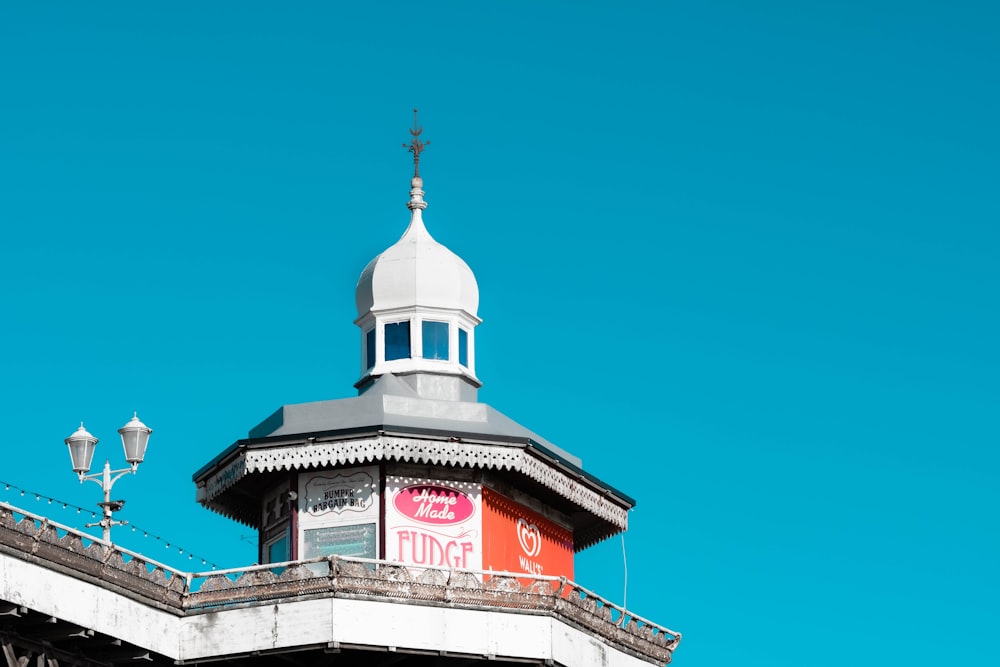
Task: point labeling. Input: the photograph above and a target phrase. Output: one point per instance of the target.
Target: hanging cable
(625, 567)
(66, 505)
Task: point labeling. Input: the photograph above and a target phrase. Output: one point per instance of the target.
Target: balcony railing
(30, 536)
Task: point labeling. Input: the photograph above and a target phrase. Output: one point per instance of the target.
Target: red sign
(517, 539)
(434, 504)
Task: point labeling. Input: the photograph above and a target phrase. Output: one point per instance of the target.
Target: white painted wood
(297, 623)
(573, 647)
(87, 605)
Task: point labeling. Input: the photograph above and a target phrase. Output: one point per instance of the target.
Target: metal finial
(416, 146)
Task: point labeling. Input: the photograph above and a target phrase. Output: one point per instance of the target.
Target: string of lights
(39, 497)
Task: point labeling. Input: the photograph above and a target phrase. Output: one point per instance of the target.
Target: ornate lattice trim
(515, 457)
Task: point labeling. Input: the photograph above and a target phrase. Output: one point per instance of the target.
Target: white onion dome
(417, 271)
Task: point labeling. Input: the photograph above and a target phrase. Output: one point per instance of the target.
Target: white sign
(342, 499)
(434, 522)
(339, 493)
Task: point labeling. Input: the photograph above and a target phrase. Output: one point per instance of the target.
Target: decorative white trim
(223, 479)
(418, 450)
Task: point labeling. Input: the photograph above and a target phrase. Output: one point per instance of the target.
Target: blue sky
(742, 258)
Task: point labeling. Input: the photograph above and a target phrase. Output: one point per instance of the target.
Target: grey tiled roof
(391, 403)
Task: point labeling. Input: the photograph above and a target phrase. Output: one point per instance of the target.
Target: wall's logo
(434, 504)
(530, 538)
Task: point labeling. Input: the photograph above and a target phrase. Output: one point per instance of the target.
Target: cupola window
(463, 347)
(370, 349)
(435, 339)
(397, 341)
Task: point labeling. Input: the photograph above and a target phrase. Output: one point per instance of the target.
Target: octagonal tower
(414, 469)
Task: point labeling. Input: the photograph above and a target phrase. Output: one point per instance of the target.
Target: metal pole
(106, 521)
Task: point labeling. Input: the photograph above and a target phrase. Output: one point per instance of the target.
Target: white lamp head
(135, 436)
(81, 449)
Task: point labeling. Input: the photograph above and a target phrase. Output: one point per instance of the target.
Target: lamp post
(135, 436)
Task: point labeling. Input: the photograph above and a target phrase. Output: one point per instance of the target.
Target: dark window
(463, 347)
(435, 337)
(277, 551)
(370, 348)
(397, 341)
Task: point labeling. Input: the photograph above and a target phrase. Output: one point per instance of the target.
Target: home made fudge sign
(430, 522)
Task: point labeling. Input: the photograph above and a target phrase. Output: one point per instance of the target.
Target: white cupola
(417, 304)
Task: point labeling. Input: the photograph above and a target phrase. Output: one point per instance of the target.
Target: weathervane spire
(416, 146)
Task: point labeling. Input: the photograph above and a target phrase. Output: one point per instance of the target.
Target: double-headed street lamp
(81, 444)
